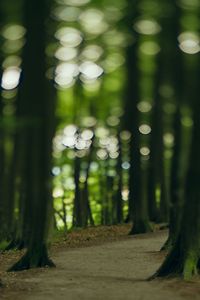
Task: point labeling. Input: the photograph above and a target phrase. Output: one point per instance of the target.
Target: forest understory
(101, 262)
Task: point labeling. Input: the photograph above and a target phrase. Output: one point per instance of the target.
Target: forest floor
(96, 264)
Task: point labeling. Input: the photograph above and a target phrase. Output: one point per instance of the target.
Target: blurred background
(122, 73)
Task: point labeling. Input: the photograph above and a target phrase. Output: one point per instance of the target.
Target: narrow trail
(112, 271)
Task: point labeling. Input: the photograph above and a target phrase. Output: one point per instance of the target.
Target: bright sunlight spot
(10, 78)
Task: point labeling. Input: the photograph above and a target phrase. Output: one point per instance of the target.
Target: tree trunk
(119, 201)
(184, 257)
(88, 212)
(77, 213)
(175, 70)
(137, 203)
(37, 106)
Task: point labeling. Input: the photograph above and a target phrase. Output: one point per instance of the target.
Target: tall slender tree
(176, 81)
(119, 201)
(2, 145)
(77, 211)
(138, 211)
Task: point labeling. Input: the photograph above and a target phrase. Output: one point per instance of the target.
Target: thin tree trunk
(77, 214)
(119, 201)
(88, 212)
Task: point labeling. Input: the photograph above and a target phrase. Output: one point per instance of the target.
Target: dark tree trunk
(157, 212)
(184, 257)
(175, 70)
(77, 214)
(37, 111)
(137, 203)
(2, 167)
(88, 218)
(119, 201)
(2, 150)
(157, 175)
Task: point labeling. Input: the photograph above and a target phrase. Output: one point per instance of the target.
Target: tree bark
(137, 203)
(37, 111)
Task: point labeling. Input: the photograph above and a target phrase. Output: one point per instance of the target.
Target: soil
(98, 263)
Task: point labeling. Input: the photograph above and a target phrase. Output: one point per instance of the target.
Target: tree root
(178, 264)
(34, 260)
(167, 245)
(15, 245)
(141, 227)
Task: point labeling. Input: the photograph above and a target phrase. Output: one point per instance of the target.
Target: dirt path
(116, 270)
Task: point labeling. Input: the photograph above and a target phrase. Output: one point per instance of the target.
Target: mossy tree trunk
(184, 257)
